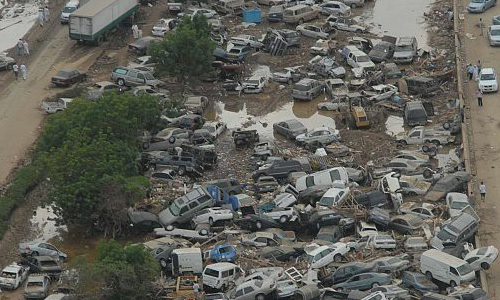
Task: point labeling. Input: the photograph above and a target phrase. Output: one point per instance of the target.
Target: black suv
(190, 121)
(279, 169)
(245, 137)
(180, 164)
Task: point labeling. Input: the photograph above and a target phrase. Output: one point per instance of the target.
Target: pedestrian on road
(24, 71)
(26, 48)
(480, 26)
(476, 74)
(40, 17)
(15, 68)
(482, 190)
(470, 71)
(462, 113)
(479, 96)
(135, 31)
(20, 47)
(46, 14)
(196, 290)
(478, 67)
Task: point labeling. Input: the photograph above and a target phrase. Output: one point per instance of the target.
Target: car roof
(487, 71)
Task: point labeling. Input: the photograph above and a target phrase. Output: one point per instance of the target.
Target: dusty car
(148, 90)
(283, 214)
(238, 53)
(98, 89)
(380, 92)
(470, 294)
(245, 137)
(253, 289)
(161, 248)
(335, 196)
(456, 202)
(140, 46)
(256, 222)
(191, 12)
(322, 47)
(371, 199)
(37, 286)
(266, 184)
(254, 85)
(279, 169)
(381, 52)
(392, 291)
(422, 209)
(202, 137)
(215, 128)
(324, 135)
(346, 271)
(260, 239)
(45, 264)
(142, 221)
(142, 62)
(322, 256)
(336, 87)
(289, 128)
(335, 8)
(68, 77)
(482, 258)
(345, 24)
(163, 26)
(406, 224)
(418, 281)
(280, 253)
(196, 104)
(324, 217)
(363, 282)
(493, 33)
(40, 248)
(414, 244)
(124, 76)
(480, 6)
(456, 231)
(6, 62)
(450, 183)
(391, 264)
(307, 89)
(13, 275)
(189, 121)
(212, 215)
(488, 81)
(315, 31)
(246, 40)
(288, 75)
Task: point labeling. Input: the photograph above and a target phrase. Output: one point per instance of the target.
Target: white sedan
(313, 31)
(482, 258)
(321, 256)
(208, 13)
(212, 215)
(215, 128)
(488, 80)
(163, 26)
(283, 214)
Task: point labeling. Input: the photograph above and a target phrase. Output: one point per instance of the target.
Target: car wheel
(171, 139)
(211, 221)
(429, 275)
(353, 5)
(425, 148)
(145, 145)
(283, 219)
(485, 265)
(301, 21)
(170, 227)
(258, 225)
(359, 31)
(453, 283)
(375, 284)
(337, 258)
(163, 263)
(35, 253)
(260, 297)
(120, 81)
(436, 142)
(446, 125)
(181, 171)
(427, 174)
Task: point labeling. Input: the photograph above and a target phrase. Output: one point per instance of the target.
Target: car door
(248, 293)
(202, 216)
(282, 128)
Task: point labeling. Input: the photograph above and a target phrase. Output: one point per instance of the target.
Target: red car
(68, 77)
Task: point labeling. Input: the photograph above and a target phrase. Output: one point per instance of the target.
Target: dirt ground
(485, 123)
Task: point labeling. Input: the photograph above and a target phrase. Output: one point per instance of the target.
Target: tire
(283, 219)
(211, 221)
(337, 258)
(427, 174)
(120, 82)
(425, 148)
(145, 145)
(485, 265)
(181, 171)
(170, 227)
(429, 275)
(152, 166)
(301, 21)
(260, 297)
(446, 125)
(359, 31)
(453, 283)
(35, 253)
(436, 142)
(353, 5)
(171, 139)
(163, 263)
(375, 284)
(412, 194)
(258, 225)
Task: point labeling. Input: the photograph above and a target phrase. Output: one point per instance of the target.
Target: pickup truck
(53, 107)
(13, 276)
(420, 135)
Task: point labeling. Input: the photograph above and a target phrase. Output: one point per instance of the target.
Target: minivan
(70, 7)
(307, 89)
(184, 208)
(300, 13)
(459, 229)
(219, 276)
(445, 268)
(327, 177)
(415, 114)
(406, 49)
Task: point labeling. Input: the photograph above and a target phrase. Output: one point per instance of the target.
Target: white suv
(488, 80)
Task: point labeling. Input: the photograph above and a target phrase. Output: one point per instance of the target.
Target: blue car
(223, 253)
(418, 281)
(364, 281)
(479, 6)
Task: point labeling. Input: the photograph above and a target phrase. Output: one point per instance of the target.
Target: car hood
(495, 38)
(403, 53)
(301, 137)
(475, 5)
(488, 82)
(160, 28)
(166, 217)
(377, 54)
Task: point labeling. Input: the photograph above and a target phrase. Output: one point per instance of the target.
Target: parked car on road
(494, 35)
(488, 81)
(480, 6)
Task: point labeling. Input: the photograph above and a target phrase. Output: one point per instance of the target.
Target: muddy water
(44, 224)
(397, 18)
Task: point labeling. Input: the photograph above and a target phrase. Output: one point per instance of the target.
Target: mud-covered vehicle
(245, 137)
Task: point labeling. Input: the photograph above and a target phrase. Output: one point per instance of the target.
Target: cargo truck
(92, 21)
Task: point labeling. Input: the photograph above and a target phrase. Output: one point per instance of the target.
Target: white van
(70, 7)
(335, 177)
(219, 276)
(187, 260)
(445, 267)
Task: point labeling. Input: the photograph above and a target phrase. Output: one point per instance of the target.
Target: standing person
(470, 71)
(15, 69)
(476, 74)
(482, 190)
(24, 71)
(196, 290)
(26, 48)
(480, 26)
(135, 31)
(479, 96)
(478, 67)
(20, 47)
(46, 13)
(40, 17)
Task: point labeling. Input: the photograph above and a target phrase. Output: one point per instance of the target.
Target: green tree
(89, 153)
(186, 52)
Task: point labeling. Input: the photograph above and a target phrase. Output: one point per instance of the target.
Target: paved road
(485, 136)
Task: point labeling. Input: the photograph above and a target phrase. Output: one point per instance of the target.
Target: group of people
(43, 15)
(22, 50)
(473, 72)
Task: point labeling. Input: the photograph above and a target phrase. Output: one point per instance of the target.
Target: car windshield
(35, 283)
(458, 205)
(380, 47)
(310, 259)
(8, 275)
(149, 76)
(477, 1)
(495, 32)
(327, 201)
(444, 235)
(211, 272)
(363, 59)
(482, 251)
(301, 87)
(258, 283)
(403, 48)
(393, 260)
(487, 76)
(423, 279)
(252, 82)
(294, 125)
(174, 209)
(63, 74)
(69, 9)
(214, 297)
(464, 269)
